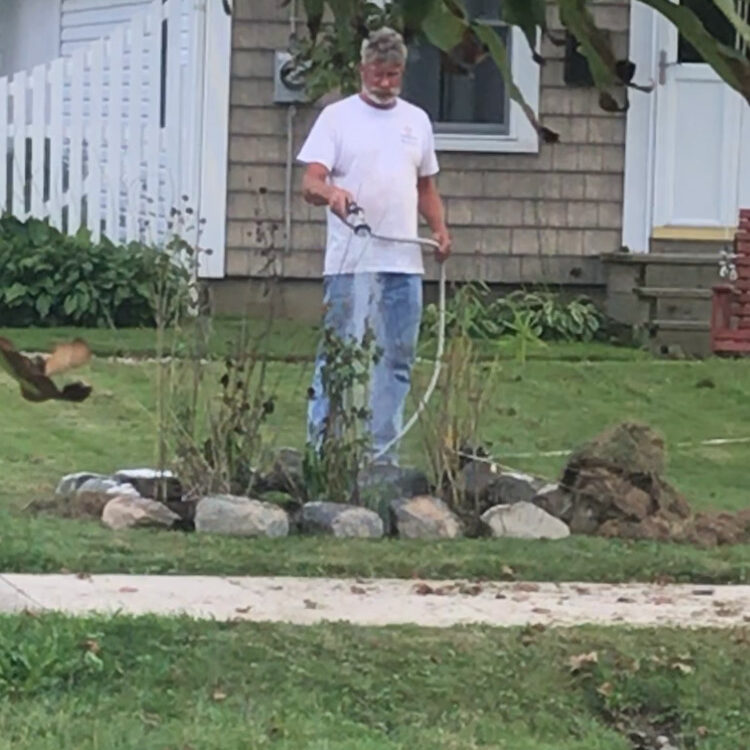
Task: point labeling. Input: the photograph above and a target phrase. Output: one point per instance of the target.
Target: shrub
(48, 278)
(547, 316)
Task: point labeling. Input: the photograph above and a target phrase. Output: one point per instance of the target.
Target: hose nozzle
(357, 222)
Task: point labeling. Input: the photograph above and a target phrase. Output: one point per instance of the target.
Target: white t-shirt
(377, 155)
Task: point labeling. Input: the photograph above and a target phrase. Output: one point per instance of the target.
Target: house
(664, 180)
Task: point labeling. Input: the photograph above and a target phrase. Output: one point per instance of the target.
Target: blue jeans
(392, 304)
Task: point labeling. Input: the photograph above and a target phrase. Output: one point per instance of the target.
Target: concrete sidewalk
(376, 602)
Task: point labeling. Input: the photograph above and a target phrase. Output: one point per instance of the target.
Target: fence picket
(4, 146)
(38, 145)
(56, 136)
(95, 150)
(18, 164)
(134, 158)
(75, 174)
(153, 124)
(114, 133)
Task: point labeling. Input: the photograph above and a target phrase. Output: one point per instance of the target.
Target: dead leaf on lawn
(682, 667)
(605, 689)
(219, 695)
(91, 645)
(579, 661)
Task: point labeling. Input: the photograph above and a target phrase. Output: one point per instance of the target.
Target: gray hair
(385, 45)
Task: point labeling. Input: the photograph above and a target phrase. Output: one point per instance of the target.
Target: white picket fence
(112, 137)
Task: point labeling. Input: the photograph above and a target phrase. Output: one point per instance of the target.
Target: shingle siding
(564, 202)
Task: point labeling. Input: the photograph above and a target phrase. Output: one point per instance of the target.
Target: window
(471, 108)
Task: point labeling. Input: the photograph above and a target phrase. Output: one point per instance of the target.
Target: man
(376, 150)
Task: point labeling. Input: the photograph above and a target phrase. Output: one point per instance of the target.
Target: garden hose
(356, 222)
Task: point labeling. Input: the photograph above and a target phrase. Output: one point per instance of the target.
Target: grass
(545, 405)
(119, 683)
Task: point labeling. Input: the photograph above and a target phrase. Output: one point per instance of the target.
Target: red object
(730, 309)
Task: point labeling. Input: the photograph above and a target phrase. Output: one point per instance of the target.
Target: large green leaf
(443, 27)
(728, 63)
(528, 15)
(488, 34)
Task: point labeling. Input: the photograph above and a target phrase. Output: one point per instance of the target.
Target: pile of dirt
(615, 488)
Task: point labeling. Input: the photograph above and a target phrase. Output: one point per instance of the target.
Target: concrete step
(671, 337)
(686, 303)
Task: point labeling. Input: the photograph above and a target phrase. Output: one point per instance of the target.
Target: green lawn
(545, 405)
(112, 684)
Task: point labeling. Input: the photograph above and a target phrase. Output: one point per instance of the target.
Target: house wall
(514, 217)
(29, 33)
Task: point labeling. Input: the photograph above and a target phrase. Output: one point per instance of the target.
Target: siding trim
(640, 134)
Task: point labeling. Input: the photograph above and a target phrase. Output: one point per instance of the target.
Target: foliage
(51, 279)
(526, 316)
(331, 468)
(331, 53)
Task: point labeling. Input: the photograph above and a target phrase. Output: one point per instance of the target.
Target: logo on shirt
(407, 135)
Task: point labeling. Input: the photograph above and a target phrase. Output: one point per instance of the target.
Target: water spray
(357, 222)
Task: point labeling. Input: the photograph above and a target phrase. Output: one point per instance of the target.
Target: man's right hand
(339, 201)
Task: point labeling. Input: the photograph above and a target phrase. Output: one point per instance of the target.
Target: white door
(702, 135)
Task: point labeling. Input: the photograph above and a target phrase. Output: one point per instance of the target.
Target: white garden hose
(356, 222)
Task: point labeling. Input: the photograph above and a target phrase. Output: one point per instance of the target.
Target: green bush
(50, 279)
(546, 315)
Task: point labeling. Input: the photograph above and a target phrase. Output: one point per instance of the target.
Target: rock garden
(612, 486)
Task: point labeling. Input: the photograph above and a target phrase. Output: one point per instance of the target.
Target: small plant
(451, 424)
(532, 316)
(211, 419)
(331, 469)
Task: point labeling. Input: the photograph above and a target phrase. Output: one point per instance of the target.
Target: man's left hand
(443, 237)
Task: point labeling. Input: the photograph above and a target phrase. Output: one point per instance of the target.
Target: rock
(424, 517)
(123, 489)
(286, 475)
(240, 516)
(98, 484)
(513, 487)
(151, 483)
(340, 520)
(129, 512)
(555, 500)
(71, 482)
(524, 520)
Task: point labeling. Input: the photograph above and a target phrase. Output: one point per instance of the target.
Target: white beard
(383, 100)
